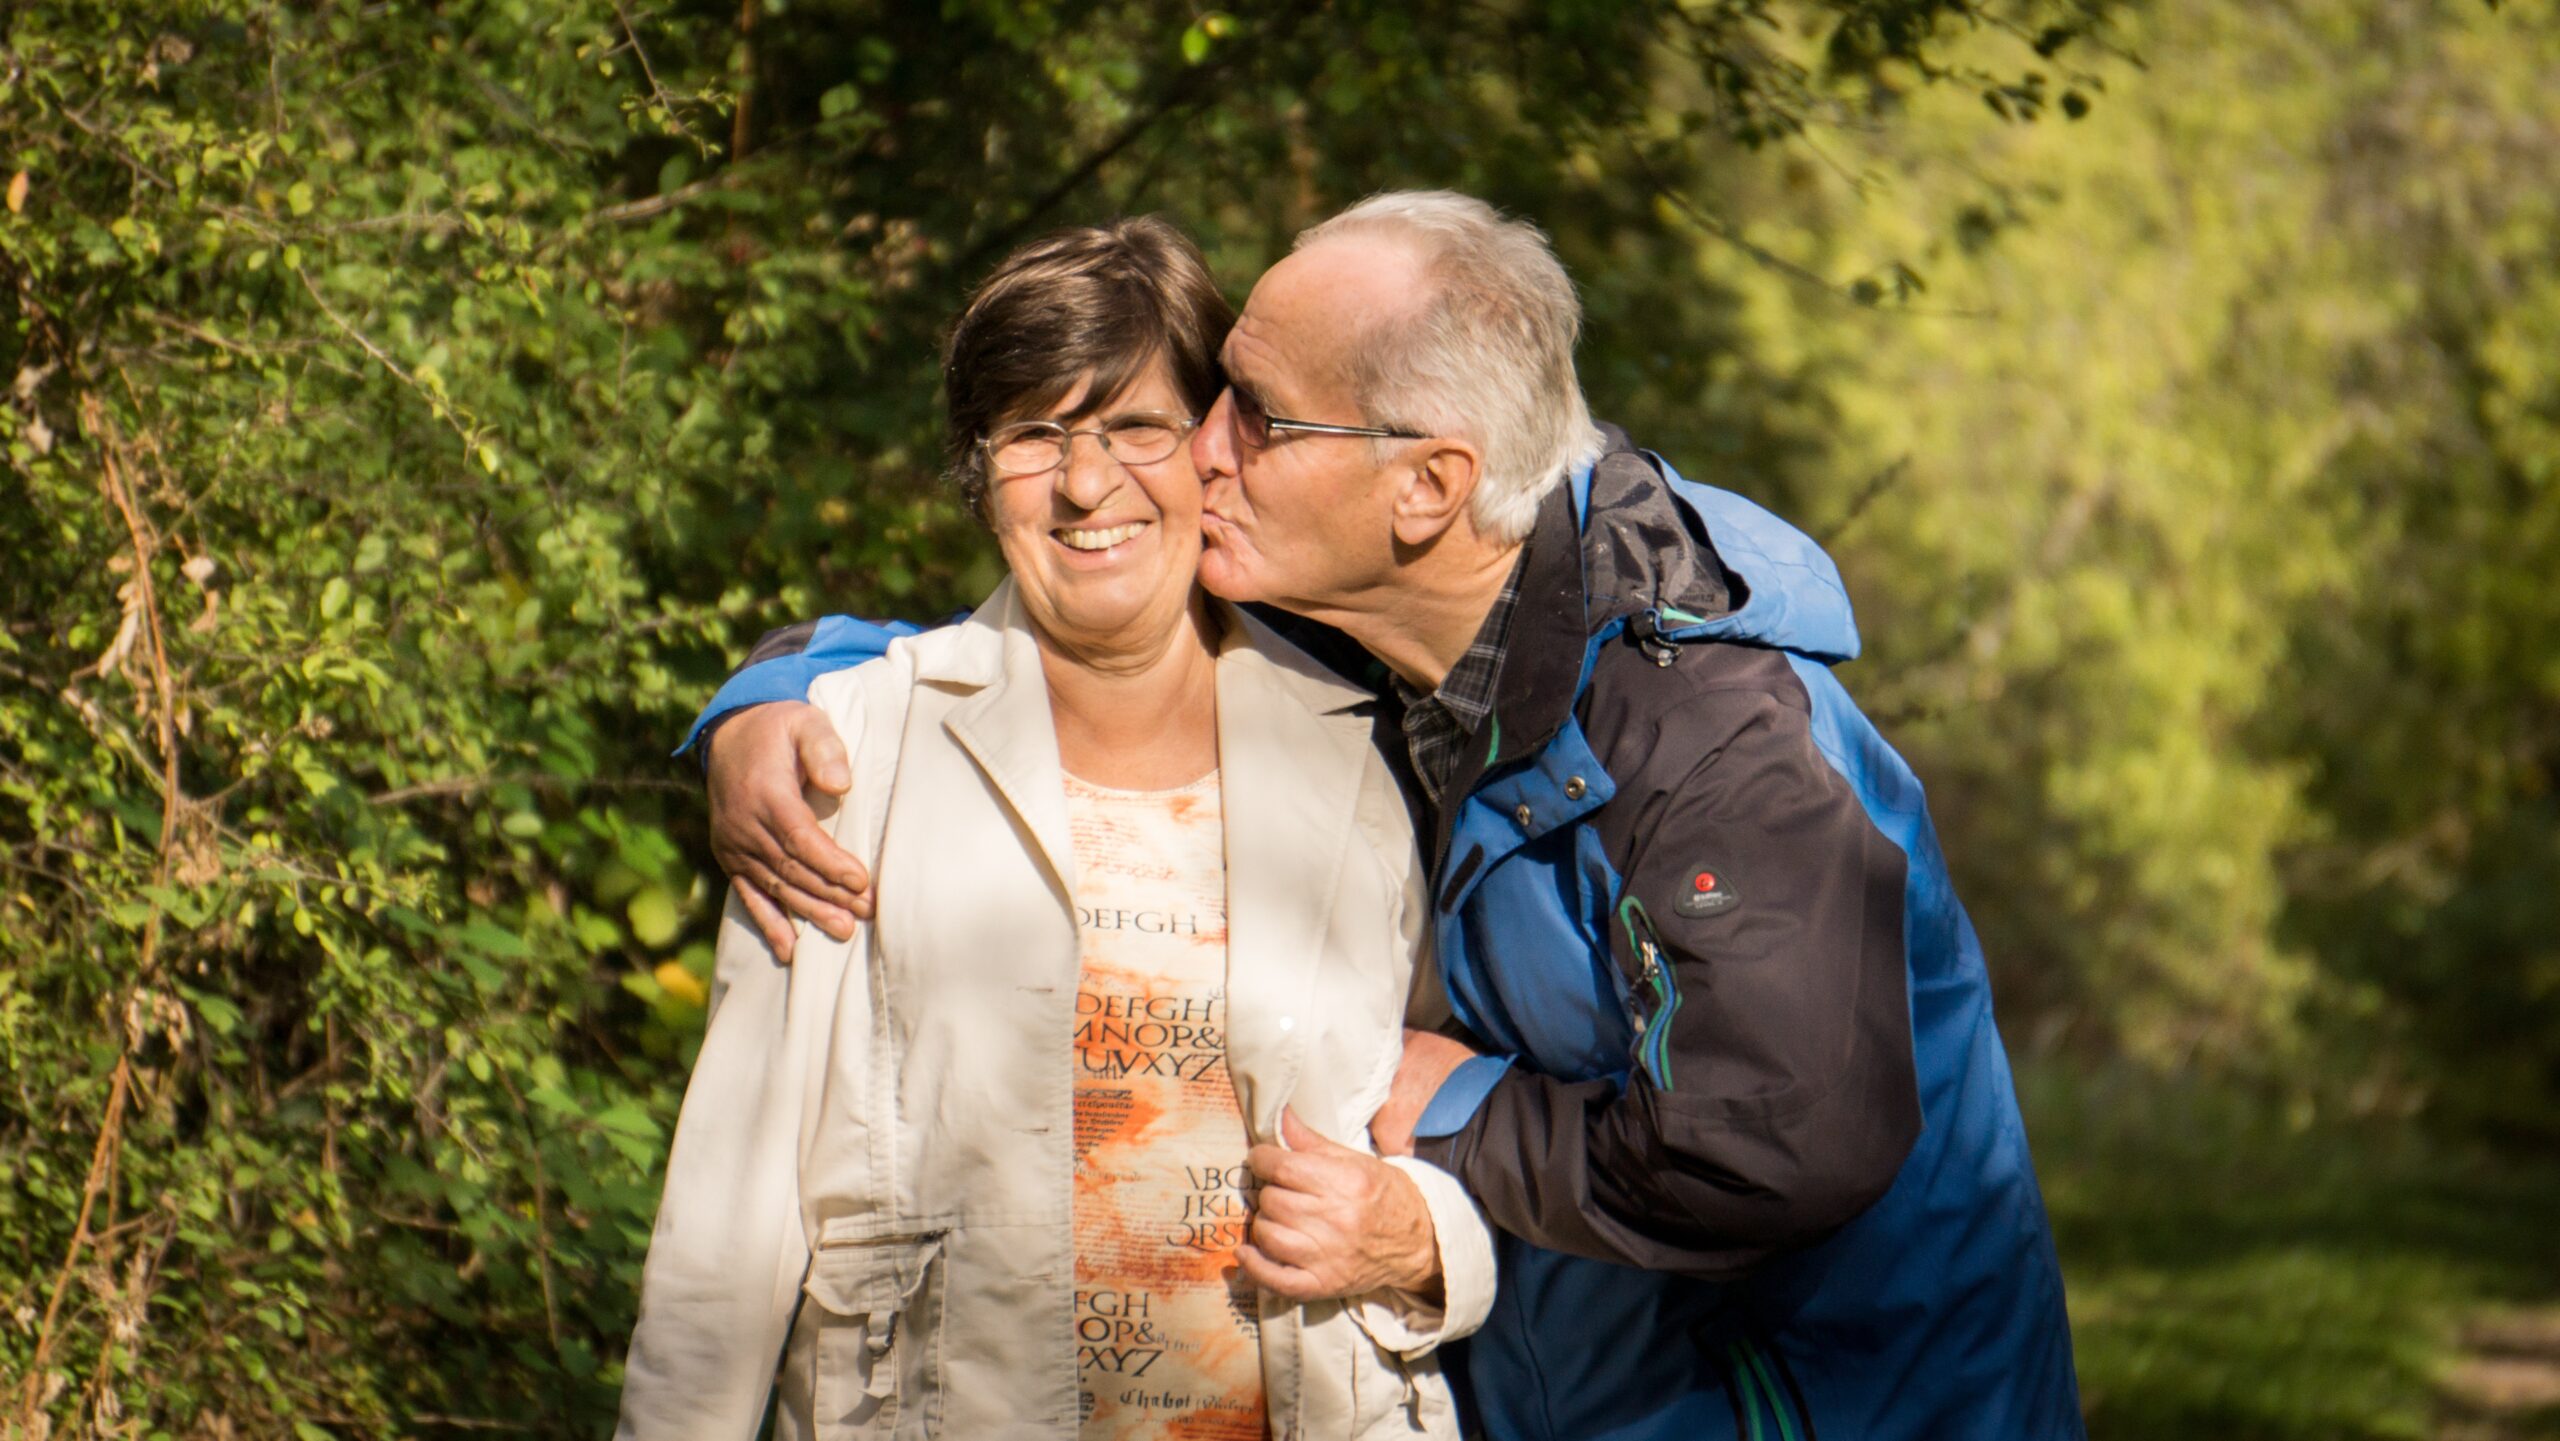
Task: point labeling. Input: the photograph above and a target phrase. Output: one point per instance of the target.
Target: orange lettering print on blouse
(1167, 1344)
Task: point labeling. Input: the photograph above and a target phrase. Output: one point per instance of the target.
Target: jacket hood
(1777, 587)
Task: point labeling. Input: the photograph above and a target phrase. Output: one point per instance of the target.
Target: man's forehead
(1255, 358)
(1314, 302)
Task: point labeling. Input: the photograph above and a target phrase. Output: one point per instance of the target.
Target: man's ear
(1434, 487)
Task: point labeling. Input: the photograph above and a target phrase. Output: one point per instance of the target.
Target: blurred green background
(413, 408)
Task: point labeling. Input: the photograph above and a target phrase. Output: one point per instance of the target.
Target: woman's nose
(1088, 474)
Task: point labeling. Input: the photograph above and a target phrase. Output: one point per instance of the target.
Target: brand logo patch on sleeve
(1708, 894)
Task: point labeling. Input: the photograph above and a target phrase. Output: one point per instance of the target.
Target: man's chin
(1223, 572)
(1223, 577)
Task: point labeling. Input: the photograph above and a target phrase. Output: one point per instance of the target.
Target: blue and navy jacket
(1743, 1120)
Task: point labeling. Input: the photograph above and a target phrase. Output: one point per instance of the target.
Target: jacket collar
(1006, 726)
(1635, 554)
(996, 644)
(1632, 556)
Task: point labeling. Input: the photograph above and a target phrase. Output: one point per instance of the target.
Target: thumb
(822, 757)
(1298, 1136)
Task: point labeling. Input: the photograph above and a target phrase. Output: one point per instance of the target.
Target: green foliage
(2202, 512)
(413, 408)
(340, 459)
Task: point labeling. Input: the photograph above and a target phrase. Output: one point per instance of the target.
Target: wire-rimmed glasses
(1255, 425)
(1028, 447)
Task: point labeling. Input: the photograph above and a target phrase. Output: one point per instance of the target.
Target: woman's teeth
(1101, 539)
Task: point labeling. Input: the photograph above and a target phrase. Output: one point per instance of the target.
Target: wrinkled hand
(1332, 1221)
(1428, 1060)
(763, 832)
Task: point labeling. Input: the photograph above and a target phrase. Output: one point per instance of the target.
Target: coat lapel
(1007, 729)
(1292, 751)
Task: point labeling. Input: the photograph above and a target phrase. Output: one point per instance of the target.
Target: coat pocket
(878, 1308)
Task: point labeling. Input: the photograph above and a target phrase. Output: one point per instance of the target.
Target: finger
(1306, 1139)
(822, 757)
(1287, 1282)
(834, 867)
(835, 920)
(1286, 1244)
(1277, 1166)
(1294, 1209)
(789, 899)
(795, 873)
(769, 919)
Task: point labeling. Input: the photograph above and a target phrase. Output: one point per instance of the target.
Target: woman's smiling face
(1103, 551)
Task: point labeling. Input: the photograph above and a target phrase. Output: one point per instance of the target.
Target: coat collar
(1633, 555)
(1006, 726)
(996, 644)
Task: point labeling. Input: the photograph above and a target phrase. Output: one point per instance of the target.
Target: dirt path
(2506, 1386)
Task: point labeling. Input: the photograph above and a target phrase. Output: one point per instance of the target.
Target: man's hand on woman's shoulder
(760, 763)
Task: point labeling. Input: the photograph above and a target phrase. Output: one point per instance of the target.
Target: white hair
(1486, 354)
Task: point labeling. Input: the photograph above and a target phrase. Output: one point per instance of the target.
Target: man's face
(1305, 522)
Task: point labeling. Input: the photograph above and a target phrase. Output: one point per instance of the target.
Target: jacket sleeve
(727, 1255)
(731, 1244)
(787, 661)
(1771, 1096)
(1410, 1326)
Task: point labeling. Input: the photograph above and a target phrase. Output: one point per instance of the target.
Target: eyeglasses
(1255, 426)
(1028, 447)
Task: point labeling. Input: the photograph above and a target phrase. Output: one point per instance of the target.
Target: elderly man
(1729, 1083)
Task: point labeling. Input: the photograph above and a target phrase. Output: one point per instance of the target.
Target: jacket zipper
(1653, 1026)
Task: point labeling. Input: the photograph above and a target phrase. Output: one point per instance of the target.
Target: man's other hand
(1428, 1060)
(762, 831)
(1331, 1221)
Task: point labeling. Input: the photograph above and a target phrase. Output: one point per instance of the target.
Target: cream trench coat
(872, 1176)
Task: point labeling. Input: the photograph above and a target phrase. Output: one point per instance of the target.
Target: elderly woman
(1148, 901)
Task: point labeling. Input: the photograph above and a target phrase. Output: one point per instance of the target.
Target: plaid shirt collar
(1437, 723)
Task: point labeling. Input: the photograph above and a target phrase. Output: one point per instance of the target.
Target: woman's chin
(1094, 612)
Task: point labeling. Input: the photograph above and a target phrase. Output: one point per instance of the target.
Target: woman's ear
(1434, 487)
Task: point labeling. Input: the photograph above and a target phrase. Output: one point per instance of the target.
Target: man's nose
(1089, 473)
(1213, 445)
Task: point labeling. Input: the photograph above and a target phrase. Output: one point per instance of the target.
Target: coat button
(1574, 789)
(1523, 815)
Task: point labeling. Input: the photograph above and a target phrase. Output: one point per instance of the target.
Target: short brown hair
(1104, 300)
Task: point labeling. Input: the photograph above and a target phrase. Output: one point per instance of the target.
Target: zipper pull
(1648, 947)
(1646, 627)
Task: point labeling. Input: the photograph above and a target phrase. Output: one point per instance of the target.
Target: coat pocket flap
(871, 1278)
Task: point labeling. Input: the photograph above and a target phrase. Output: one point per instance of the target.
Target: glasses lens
(1027, 448)
(1137, 439)
(1253, 423)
